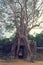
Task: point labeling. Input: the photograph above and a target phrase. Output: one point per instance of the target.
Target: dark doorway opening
(21, 52)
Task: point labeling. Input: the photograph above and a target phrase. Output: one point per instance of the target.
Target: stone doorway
(21, 52)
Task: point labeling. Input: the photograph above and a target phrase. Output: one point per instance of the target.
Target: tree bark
(26, 44)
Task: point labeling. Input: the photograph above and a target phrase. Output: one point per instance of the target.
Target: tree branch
(29, 29)
(35, 26)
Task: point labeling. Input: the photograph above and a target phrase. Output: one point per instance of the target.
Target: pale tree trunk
(26, 44)
(26, 22)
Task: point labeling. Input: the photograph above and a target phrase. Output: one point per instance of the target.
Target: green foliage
(39, 39)
(31, 37)
(4, 41)
(1, 17)
(39, 36)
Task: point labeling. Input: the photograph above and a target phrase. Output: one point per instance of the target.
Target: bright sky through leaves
(6, 14)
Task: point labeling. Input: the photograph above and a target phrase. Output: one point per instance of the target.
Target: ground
(39, 61)
(20, 62)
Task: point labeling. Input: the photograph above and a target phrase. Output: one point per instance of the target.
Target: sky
(37, 30)
(33, 31)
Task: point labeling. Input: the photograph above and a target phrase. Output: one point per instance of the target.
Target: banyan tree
(26, 14)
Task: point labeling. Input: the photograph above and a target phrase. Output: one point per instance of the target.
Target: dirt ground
(39, 61)
(20, 62)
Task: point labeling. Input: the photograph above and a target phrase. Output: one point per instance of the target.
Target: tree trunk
(26, 44)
